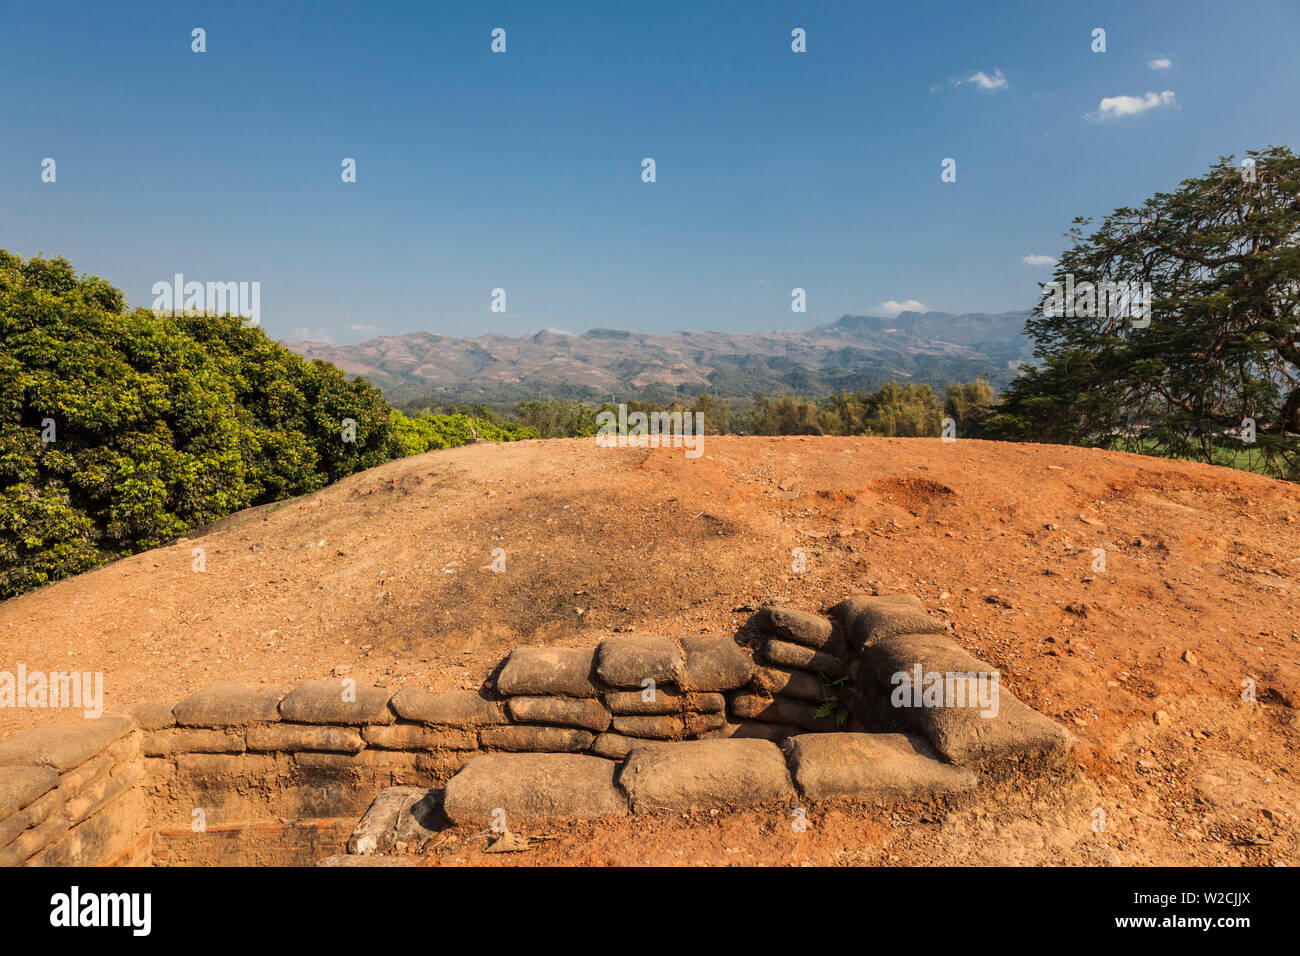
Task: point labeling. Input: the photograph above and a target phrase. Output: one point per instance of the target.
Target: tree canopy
(1217, 358)
(121, 430)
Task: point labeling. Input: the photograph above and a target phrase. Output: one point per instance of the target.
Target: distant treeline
(908, 411)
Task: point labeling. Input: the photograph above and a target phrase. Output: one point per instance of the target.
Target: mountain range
(856, 352)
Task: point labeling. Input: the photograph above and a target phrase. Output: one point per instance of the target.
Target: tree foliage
(121, 430)
(1222, 255)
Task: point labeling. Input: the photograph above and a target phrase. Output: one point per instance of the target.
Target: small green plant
(831, 704)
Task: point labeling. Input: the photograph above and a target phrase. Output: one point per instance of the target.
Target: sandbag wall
(69, 796)
(630, 688)
(260, 774)
(254, 772)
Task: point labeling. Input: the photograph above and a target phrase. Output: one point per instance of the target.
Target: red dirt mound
(1106, 587)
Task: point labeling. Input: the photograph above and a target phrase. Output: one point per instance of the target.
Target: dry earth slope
(387, 576)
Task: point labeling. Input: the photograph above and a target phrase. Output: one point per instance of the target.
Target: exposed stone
(875, 767)
(400, 819)
(565, 711)
(705, 774)
(294, 737)
(419, 737)
(153, 715)
(532, 788)
(804, 658)
(628, 660)
(456, 708)
(663, 727)
(21, 786)
(662, 699)
(866, 618)
(799, 627)
(336, 702)
(781, 710)
(800, 685)
(180, 740)
(64, 746)
(612, 746)
(956, 729)
(713, 663)
(567, 671)
(229, 704)
(522, 737)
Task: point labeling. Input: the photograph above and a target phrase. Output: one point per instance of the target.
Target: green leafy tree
(121, 430)
(969, 404)
(1222, 256)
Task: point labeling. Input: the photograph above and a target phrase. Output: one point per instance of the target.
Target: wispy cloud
(363, 328)
(988, 82)
(1034, 260)
(1114, 107)
(892, 309)
(304, 334)
(1160, 63)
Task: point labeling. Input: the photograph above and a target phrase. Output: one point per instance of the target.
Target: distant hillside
(855, 353)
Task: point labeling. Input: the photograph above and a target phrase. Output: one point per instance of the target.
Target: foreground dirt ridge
(649, 710)
(1146, 605)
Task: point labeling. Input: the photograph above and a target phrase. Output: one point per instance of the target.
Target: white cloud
(304, 334)
(1160, 63)
(989, 83)
(1033, 260)
(891, 309)
(1113, 107)
(364, 328)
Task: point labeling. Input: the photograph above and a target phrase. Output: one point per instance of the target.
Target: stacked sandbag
(801, 654)
(68, 796)
(552, 701)
(629, 688)
(267, 737)
(899, 643)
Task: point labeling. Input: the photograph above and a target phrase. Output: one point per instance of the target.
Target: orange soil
(387, 577)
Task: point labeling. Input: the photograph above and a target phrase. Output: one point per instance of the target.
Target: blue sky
(522, 170)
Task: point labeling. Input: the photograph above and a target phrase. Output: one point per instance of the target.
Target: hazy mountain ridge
(854, 352)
